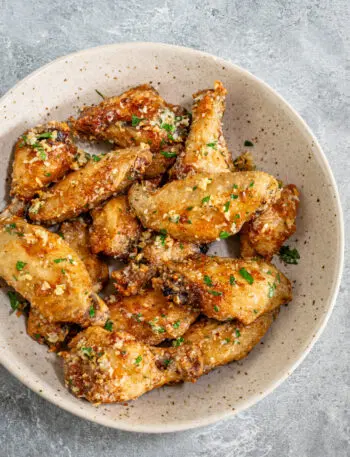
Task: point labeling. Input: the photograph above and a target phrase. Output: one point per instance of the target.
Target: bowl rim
(191, 424)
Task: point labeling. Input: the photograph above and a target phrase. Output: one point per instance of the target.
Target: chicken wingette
(76, 234)
(43, 154)
(149, 316)
(44, 332)
(225, 288)
(106, 367)
(84, 189)
(265, 234)
(42, 267)
(139, 115)
(115, 230)
(205, 149)
(203, 208)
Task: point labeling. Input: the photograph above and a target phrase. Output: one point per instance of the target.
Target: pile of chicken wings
(166, 190)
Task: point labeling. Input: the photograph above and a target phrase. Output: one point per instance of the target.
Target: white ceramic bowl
(284, 146)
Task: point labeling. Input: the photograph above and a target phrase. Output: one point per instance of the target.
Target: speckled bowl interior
(283, 146)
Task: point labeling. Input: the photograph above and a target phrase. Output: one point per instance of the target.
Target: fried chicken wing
(106, 367)
(43, 154)
(150, 317)
(42, 267)
(265, 234)
(225, 288)
(202, 208)
(139, 115)
(115, 230)
(86, 188)
(76, 234)
(154, 250)
(205, 149)
(44, 332)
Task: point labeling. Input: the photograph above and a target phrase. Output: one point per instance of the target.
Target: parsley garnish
(205, 199)
(194, 187)
(167, 362)
(59, 260)
(288, 255)
(138, 360)
(176, 343)
(176, 324)
(238, 333)
(208, 280)
(234, 197)
(251, 184)
(100, 94)
(96, 158)
(271, 291)
(162, 236)
(189, 208)
(44, 135)
(226, 207)
(248, 143)
(14, 302)
(92, 311)
(246, 275)
(109, 325)
(215, 293)
(232, 280)
(135, 120)
(168, 127)
(168, 154)
(20, 265)
(212, 145)
(87, 351)
(137, 317)
(216, 308)
(223, 235)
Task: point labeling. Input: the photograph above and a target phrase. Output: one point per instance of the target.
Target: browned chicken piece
(154, 250)
(106, 367)
(224, 342)
(205, 149)
(43, 154)
(202, 207)
(86, 188)
(76, 234)
(149, 317)
(265, 234)
(139, 115)
(115, 230)
(44, 332)
(42, 267)
(244, 162)
(225, 288)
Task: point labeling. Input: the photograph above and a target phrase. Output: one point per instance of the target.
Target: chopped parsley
(235, 186)
(95, 158)
(87, 351)
(59, 260)
(246, 275)
(223, 235)
(60, 234)
(212, 145)
(137, 317)
(194, 187)
(226, 207)
(181, 246)
(248, 144)
(176, 324)
(92, 311)
(215, 293)
(168, 154)
(271, 290)
(168, 127)
(138, 360)
(167, 362)
(47, 174)
(216, 308)
(100, 94)
(227, 340)
(290, 256)
(237, 333)
(234, 197)
(232, 280)
(176, 343)
(20, 265)
(162, 236)
(109, 325)
(251, 184)
(189, 208)
(255, 311)
(14, 302)
(205, 199)
(208, 280)
(135, 120)
(44, 135)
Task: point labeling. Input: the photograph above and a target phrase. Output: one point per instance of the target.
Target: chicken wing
(265, 234)
(205, 149)
(154, 250)
(106, 367)
(86, 188)
(202, 208)
(150, 317)
(115, 230)
(139, 115)
(42, 267)
(225, 288)
(42, 155)
(44, 332)
(76, 234)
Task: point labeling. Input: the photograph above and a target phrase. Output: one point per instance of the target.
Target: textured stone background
(302, 49)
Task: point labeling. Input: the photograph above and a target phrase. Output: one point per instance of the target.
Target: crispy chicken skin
(42, 267)
(76, 234)
(202, 208)
(265, 234)
(139, 115)
(153, 251)
(115, 230)
(84, 189)
(106, 367)
(223, 342)
(43, 154)
(150, 317)
(205, 149)
(43, 332)
(225, 288)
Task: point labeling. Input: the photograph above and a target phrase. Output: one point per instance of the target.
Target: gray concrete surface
(301, 48)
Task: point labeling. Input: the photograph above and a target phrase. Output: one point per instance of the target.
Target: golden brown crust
(205, 149)
(266, 233)
(43, 154)
(115, 230)
(225, 288)
(44, 332)
(86, 188)
(150, 317)
(48, 273)
(76, 234)
(202, 208)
